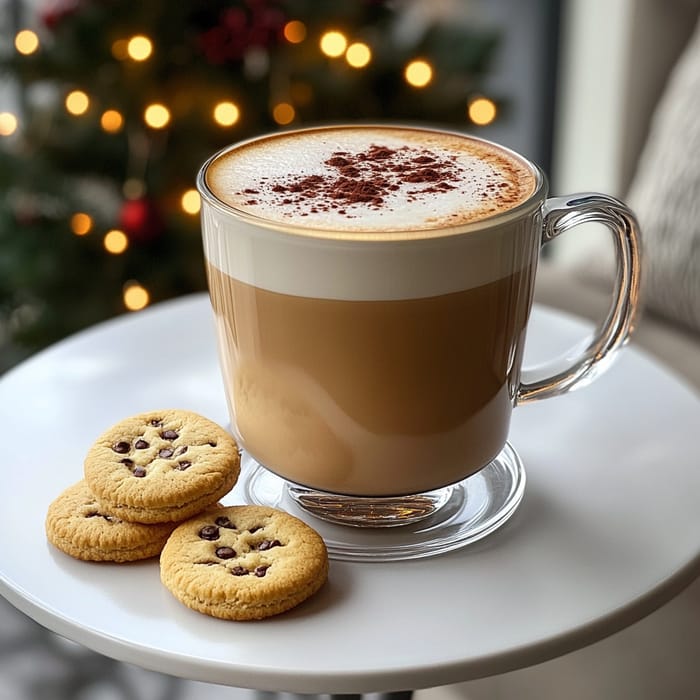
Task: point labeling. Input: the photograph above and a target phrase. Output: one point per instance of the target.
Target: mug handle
(587, 361)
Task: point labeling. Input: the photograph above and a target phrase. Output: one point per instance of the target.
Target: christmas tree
(119, 103)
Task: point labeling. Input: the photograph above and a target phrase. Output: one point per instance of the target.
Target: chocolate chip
(211, 444)
(121, 447)
(225, 552)
(254, 529)
(209, 532)
(141, 444)
(181, 466)
(157, 423)
(139, 471)
(223, 521)
(169, 435)
(180, 451)
(127, 461)
(165, 453)
(268, 544)
(260, 571)
(239, 571)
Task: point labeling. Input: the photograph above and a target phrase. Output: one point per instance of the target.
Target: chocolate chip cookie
(76, 525)
(161, 466)
(243, 562)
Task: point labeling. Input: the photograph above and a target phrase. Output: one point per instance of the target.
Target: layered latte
(371, 288)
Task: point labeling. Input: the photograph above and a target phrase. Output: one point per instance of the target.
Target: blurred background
(109, 107)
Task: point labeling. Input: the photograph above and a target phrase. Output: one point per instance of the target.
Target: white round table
(609, 528)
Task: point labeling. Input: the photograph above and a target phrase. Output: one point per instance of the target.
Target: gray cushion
(675, 346)
(665, 195)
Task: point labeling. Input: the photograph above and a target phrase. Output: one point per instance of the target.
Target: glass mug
(371, 287)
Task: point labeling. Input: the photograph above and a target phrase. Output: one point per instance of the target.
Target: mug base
(397, 528)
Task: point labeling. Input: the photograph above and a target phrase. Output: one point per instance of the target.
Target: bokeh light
(283, 113)
(418, 73)
(333, 44)
(136, 297)
(358, 55)
(111, 121)
(8, 123)
(157, 116)
(77, 102)
(81, 223)
(26, 42)
(482, 111)
(294, 31)
(191, 202)
(115, 241)
(139, 48)
(226, 113)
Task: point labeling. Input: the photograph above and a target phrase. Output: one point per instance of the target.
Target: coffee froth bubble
(370, 179)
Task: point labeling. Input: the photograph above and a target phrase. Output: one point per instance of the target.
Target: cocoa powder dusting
(366, 178)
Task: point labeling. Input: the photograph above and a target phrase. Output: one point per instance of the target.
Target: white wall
(615, 58)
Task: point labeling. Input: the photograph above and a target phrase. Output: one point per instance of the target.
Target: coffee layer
(371, 398)
(371, 179)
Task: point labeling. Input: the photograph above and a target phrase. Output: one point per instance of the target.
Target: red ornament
(257, 25)
(55, 11)
(141, 220)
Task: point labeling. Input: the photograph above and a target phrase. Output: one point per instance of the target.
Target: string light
(358, 55)
(8, 123)
(482, 111)
(77, 102)
(157, 116)
(135, 296)
(226, 113)
(81, 223)
(139, 48)
(418, 73)
(283, 113)
(191, 202)
(26, 42)
(294, 31)
(115, 242)
(111, 121)
(333, 44)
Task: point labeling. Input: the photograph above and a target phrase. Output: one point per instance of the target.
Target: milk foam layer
(386, 256)
(371, 179)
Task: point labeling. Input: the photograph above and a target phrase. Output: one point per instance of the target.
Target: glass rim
(532, 202)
